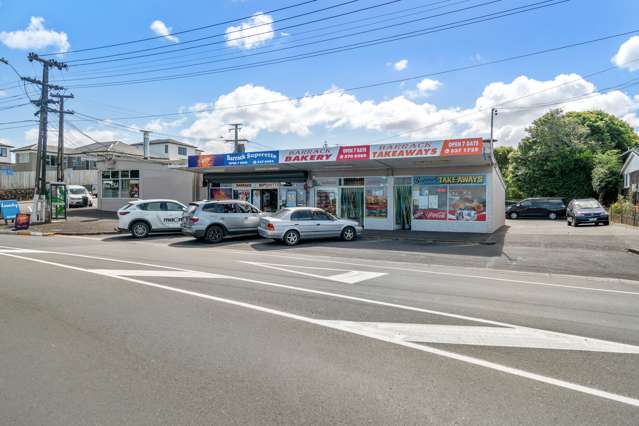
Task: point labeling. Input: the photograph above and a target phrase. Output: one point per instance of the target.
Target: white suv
(145, 216)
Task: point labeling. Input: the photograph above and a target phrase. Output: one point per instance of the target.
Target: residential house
(169, 149)
(26, 158)
(630, 173)
(5, 154)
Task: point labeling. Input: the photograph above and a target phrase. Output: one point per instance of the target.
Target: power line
(180, 49)
(244, 56)
(178, 32)
(405, 79)
(415, 11)
(383, 40)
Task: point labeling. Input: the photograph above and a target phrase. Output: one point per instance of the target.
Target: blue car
(587, 210)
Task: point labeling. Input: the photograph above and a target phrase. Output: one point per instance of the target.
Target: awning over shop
(439, 153)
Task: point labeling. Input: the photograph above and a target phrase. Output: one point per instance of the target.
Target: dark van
(551, 208)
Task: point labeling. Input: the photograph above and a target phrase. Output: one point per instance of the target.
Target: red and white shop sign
(309, 155)
(354, 153)
(455, 147)
(406, 150)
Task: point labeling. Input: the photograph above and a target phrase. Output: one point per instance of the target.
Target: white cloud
(35, 36)
(401, 65)
(252, 33)
(335, 110)
(160, 28)
(161, 125)
(628, 54)
(424, 88)
(3, 93)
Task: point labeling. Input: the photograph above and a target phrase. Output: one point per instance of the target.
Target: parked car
(291, 225)
(551, 208)
(213, 220)
(143, 217)
(587, 210)
(78, 196)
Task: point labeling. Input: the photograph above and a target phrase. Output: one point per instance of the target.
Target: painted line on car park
(362, 332)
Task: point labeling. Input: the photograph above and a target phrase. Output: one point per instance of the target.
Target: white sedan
(143, 217)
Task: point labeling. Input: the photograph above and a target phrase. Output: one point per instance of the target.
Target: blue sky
(390, 113)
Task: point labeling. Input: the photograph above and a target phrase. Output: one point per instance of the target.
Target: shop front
(449, 185)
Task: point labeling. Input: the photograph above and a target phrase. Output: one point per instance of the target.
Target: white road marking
(487, 336)
(454, 274)
(346, 276)
(19, 251)
(142, 273)
(326, 259)
(420, 347)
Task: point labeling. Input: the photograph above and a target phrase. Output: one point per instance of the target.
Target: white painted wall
(158, 150)
(156, 181)
(632, 165)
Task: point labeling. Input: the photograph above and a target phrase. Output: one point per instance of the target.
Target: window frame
(125, 179)
(182, 150)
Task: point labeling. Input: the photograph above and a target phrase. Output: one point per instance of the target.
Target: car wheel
(291, 238)
(140, 230)
(552, 216)
(348, 234)
(514, 215)
(214, 234)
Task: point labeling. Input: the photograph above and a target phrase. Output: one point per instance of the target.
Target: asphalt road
(171, 331)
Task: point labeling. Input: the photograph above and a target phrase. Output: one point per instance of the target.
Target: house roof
(5, 144)
(630, 154)
(166, 141)
(50, 148)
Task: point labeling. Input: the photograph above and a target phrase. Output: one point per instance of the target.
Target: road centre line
(336, 326)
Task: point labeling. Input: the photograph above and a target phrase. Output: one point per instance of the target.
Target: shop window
(120, 184)
(451, 199)
(326, 200)
(400, 181)
(430, 202)
(220, 194)
(322, 181)
(467, 203)
(376, 202)
(353, 181)
(376, 181)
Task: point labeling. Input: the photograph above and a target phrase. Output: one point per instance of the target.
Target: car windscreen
(588, 204)
(77, 191)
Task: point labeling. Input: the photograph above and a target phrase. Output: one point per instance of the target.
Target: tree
(553, 160)
(502, 156)
(605, 131)
(606, 177)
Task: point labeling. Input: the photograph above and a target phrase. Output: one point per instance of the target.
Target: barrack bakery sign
(308, 155)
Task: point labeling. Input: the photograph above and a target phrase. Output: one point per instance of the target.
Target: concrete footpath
(85, 221)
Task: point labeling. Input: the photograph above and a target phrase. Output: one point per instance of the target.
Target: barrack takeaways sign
(406, 150)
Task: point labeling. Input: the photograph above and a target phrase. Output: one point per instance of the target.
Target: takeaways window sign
(450, 180)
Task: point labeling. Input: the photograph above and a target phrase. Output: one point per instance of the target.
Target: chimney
(147, 147)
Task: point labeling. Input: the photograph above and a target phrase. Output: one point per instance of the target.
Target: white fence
(26, 180)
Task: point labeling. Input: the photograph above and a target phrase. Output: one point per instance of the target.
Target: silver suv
(213, 220)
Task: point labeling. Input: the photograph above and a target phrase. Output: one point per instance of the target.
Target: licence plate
(593, 219)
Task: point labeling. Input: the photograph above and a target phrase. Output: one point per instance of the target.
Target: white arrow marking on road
(346, 276)
(518, 337)
(158, 273)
